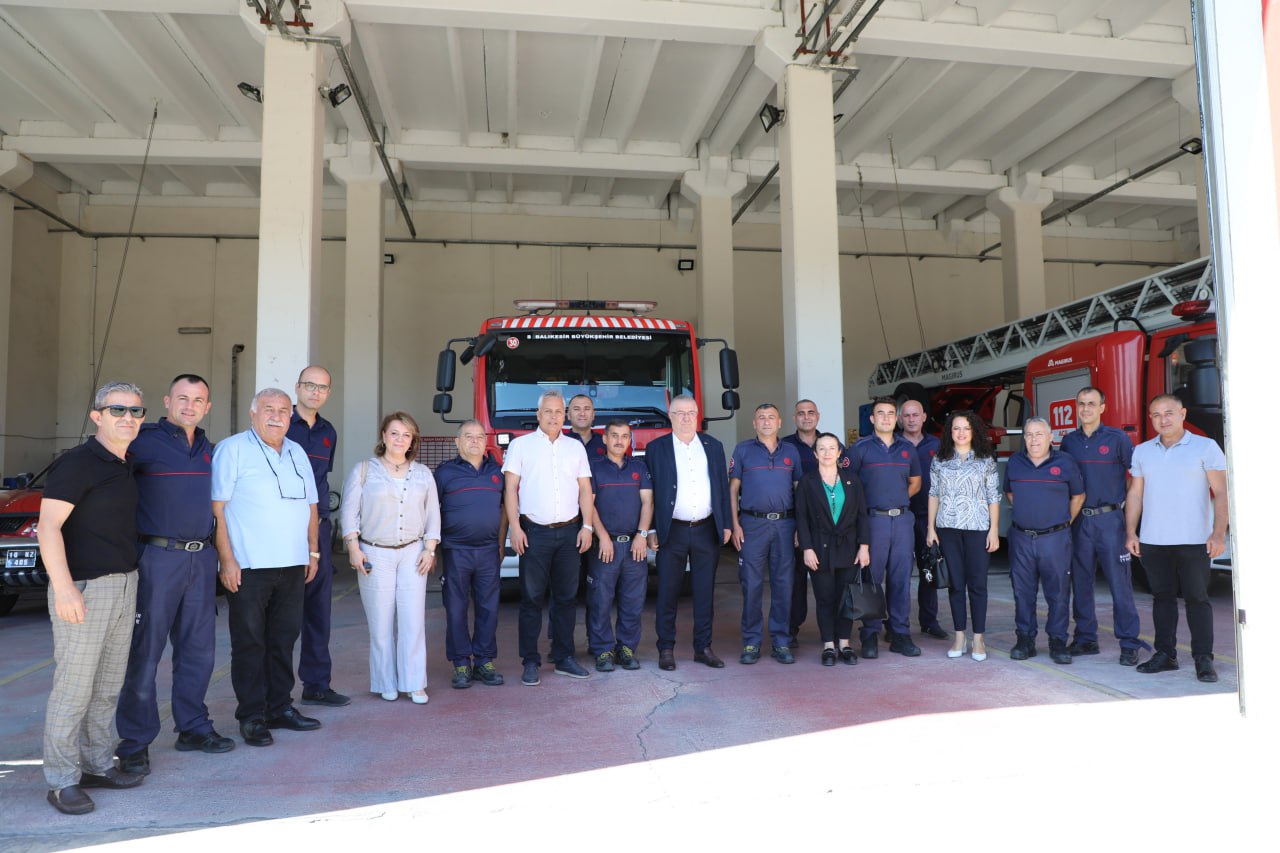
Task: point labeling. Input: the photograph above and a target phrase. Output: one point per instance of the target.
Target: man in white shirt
(549, 505)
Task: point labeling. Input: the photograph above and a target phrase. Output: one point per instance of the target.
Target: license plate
(20, 558)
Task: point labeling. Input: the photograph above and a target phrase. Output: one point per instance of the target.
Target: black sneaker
(461, 677)
(487, 674)
(1158, 662)
(870, 648)
(902, 644)
(210, 742)
(936, 631)
(627, 658)
(530, 675)
(1079, 649)
(328, 696)
(782, 654)
(750, 654)
(1128, 657)
(1058, 652)
(570, 667)
(138, 762)
(604, 662)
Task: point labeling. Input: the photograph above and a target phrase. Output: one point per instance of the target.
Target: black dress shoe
(1078, 649)
(210, 742)
(1128, 657)
(870, 648)
(112, 778)
(1204, 669)
(848, 656)
(291, 719)
(1158, 662)
(709, 658)
(828, 657)
(328, 696)
(936, 632)
(138, 762)
(903, 645)
(70, 800)
(666, 660)
(1058, 652)
(255, 733)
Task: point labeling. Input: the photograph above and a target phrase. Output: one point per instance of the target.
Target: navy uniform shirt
(768, 479)
(925, 451)
(1104, 459)
(1042, 494)
(470, 503)
(617, 489)
(595, 447)
(174, 483)
(883, 470)
(320, 443)
(808, 459)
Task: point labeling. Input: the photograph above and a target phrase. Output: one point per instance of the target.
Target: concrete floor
(893, 749)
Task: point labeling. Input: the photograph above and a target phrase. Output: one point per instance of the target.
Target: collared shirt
(595, 446)
(883, 469)
(965, 488)
(268, 499)
(1176, 506)
(549, 472)
(173, 481)
(470, 503)
(693, 483)
(1042, 493)
(808, 458)
(389, 510)
(926, 450)
(99, 534)
(1104, 460)
(617, 489)
(768, 477)
(319, 442)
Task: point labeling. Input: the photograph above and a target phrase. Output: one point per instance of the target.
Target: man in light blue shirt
(264, 500)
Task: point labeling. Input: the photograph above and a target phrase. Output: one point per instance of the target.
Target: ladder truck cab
(1151, 336)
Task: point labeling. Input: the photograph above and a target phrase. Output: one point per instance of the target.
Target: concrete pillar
(1186, 93)
(1022, 244)
(712, 189)
(362, 174)
(289, 221)
(811, 324)
(15, 170)
(77, 344)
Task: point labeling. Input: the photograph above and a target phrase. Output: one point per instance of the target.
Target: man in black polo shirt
(88, 542)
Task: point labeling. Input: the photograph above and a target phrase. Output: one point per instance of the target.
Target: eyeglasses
(119, 411)
(279, 485)
(684, 414)
(314, 387)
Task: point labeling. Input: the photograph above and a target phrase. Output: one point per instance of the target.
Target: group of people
(132, 518)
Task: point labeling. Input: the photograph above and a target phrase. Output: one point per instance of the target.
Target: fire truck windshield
(627, 373)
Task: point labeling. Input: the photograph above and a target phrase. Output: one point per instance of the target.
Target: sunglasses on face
(119, 411)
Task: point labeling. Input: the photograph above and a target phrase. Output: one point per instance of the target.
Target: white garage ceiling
(598, 108)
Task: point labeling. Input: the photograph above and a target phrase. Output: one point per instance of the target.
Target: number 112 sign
(1062, 418)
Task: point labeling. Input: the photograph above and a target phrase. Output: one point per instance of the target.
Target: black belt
(691, 523)
(626, 537)
(771, 516)
(577, 519)
(191, 545)
(1043, 531)
(891, 513)
(389, 547)
(1099, 510)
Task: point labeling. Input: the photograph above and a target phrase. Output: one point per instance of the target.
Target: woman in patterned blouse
(964, 517)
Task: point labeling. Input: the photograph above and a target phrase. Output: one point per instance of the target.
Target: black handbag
(933, 568)
(863, 600)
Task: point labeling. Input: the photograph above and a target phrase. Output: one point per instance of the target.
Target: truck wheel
(7, 601)
(912, 391)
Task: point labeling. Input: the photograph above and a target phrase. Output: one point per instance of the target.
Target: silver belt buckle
(622, 539)
(193, 547)
(773, 516)
(1090, 512)
(894, 513)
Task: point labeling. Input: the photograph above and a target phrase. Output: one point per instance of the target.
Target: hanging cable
(866, 241)
(124, 258)
(915, 300)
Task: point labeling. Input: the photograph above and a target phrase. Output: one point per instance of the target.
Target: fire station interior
(238, 189)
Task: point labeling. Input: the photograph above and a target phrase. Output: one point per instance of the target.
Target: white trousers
(395, 604)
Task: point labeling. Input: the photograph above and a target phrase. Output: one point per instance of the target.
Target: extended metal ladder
(1007, 349)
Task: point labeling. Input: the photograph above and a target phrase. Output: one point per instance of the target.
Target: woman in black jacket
(831, 524)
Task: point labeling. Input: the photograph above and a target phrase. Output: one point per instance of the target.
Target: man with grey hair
(1046, 491)
(88, 541)
(549, 508)
(264, 500)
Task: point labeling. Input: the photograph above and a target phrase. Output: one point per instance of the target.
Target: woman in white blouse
(964, 517)
(391, 525)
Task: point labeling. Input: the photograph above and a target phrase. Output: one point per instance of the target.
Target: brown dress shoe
(666, 659)
(70, 800)
(709, 658)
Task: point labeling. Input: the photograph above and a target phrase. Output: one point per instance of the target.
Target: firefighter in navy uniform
(1046, 490)
(911, 418)
(803, 439)
(889, 469)
(1103, 454)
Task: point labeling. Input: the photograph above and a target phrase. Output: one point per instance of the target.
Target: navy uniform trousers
(1034, 561)
(621, 582)
(926, 593)
(176, 602)
(892, 556)
(471, 575)
(315, 666)
(772, 544)
(1099, 540)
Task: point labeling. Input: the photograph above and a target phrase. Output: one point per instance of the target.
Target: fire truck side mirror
(729, 373)
(485, 343)
(442, 404)
(730, 401)
(445, 371)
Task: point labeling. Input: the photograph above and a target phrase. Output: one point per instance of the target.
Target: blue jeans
(548, 566)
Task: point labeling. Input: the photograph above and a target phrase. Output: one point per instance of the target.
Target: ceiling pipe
(281, 26)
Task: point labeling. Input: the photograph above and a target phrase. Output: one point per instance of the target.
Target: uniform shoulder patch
(1055, 470)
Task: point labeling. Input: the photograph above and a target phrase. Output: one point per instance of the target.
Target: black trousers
(1171, 568)
(968, 561)
(699, 547)
(799, 594)
(548, 566)
(828, 593)
(265, 618)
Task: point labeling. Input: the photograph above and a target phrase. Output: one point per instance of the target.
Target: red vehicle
(20, 567)
(630, 367)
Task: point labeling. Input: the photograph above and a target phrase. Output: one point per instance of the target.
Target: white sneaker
(391, 695)
(419, 697)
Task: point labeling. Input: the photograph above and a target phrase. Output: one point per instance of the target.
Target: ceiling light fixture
(251, 92)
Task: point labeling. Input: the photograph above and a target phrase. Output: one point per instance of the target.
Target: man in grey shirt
(1177, 477)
